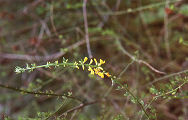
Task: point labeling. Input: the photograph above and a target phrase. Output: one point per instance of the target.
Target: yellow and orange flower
(107, 74)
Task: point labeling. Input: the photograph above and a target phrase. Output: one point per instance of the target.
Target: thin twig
(41, 58)
(53, 115)
(139, 8)
(149, 34)
(135, 98)
(37, 93)
(167, 76)
(125, 69)
(151, 67)
(166, 35)
(118, 2)
(169, 92)
(37, 58)
(52, 19)
(86, 29)
(138, 60)
(82, 105)
(32, 6)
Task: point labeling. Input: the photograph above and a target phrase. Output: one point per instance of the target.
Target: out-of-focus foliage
(138, 39)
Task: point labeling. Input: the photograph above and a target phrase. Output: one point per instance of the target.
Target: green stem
(127, 90)
(39, 93)
(174, 90)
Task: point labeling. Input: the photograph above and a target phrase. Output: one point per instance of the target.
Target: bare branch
(137, 60)
(86, 29)
(166, 35)
(40, 58)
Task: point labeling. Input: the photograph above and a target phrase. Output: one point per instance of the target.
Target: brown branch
(151, 67)
(32, 5)
(40, 58)
(86, 29)
(52, 19)
(37, 58)
(137, 60)
(166, 33)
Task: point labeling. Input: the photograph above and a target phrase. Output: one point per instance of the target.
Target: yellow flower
(96, 70)
(107, 74)
(101, 62)
(95, 61)
(90, 69)
(77, 67)
(101, 74)
(100, 68)
(85, 59)
(91, 61)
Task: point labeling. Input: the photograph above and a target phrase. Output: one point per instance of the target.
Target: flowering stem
(94, 69)
(19, 70)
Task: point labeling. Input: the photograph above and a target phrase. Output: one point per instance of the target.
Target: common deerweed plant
(95, 68)
(134, 87)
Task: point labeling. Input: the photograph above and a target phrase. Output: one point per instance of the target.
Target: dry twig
(138, 60)
(86, 28)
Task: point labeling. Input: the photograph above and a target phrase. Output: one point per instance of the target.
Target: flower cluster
(93, 66)
(98, 70)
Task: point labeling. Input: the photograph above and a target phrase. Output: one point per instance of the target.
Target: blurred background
(40, 31)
